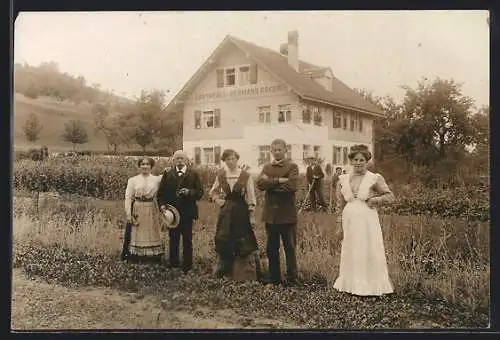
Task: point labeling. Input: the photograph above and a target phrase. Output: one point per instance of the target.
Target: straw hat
(170, 217)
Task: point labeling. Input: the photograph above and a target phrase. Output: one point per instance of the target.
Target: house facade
(244, 96)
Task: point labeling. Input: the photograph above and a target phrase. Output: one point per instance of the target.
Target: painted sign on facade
(253, 91)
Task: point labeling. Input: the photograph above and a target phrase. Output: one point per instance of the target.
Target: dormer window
(244, 75)
(230, 76)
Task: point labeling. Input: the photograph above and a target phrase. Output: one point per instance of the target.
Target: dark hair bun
(362, 149)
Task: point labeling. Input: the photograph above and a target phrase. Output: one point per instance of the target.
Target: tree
(116, 131)
(75, 133)
(440, 114)
(481, 147)
(32, 128)
(384, 129)
(147, 117)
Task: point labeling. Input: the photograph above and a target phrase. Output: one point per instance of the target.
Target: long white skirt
(363, 265)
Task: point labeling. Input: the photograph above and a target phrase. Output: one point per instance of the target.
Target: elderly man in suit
(181, 187)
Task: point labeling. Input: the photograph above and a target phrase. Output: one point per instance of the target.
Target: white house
(245, 95)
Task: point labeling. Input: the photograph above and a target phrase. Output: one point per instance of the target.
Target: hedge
(107, 178)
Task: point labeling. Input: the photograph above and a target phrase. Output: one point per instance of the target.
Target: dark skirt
(234, 236)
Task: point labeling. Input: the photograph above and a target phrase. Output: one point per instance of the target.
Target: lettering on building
(253, 91)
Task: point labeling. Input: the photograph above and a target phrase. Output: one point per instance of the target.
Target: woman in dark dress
(235, 242)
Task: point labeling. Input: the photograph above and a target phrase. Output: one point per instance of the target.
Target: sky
(380, 51)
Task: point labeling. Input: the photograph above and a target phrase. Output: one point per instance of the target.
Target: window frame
(286, 109)
(306, 151)
(204, 154)
(226, 76)
(317, 115)
(266, 150)
(337, 118)
(337, 155)
(267, 114)
(251, 74)
(316, 151)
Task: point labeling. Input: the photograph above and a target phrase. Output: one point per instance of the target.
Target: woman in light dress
(143, 219)
(235, 242)
(363, 265)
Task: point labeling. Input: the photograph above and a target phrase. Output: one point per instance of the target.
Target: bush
(33, 154)
(106, 178)
(150, 153)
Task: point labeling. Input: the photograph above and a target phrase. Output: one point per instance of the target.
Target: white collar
(183, 169)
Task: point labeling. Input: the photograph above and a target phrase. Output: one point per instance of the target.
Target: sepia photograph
(250, 170)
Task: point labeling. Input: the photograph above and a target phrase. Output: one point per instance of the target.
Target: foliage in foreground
(311, 305)
(427, 258)
(106, 178)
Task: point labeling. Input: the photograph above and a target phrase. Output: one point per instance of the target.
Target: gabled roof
(299, 82)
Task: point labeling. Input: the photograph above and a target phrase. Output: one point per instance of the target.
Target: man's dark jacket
(314, 171)
(279, 207)
(171, 183)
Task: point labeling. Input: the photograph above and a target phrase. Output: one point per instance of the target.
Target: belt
(143, 199)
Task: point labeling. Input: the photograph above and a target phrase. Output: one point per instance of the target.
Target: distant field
(53, 115)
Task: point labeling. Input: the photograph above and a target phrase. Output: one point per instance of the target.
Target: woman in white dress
(146, 240)
(363, 265)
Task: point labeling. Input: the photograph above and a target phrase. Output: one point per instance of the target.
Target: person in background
(181, 187)
(314, 177)
(335, 179)
(363, 265)
(279, 180)
(44, 152)
(235, 242)
(143, 240)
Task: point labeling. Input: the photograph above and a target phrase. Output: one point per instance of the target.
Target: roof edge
(380, 115)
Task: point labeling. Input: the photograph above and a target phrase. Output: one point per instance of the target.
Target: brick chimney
(293, 50)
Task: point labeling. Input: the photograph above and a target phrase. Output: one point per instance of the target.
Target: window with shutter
(197, 156)
(253, 74)
(197, 119)
(217, 118)
(264, 113)
(208, 156)
(217, 155)
(337, 119)
(337, 154)
(317, 151)
(230, 76)
(360, 124)
(244, 75)
(220, 77)
(306, 151)
(284, 113)
(346, 152)
(289, 151)
(264, 154)
(306, 114)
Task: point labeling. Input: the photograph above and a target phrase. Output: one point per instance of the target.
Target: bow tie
(277, 163)
(180, 172)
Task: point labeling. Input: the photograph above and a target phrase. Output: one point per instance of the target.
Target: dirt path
(38, 305)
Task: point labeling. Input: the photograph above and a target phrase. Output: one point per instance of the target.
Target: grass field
(432, 258)
(52, 115)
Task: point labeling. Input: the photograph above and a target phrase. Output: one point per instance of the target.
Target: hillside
(53, 114)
